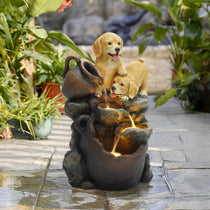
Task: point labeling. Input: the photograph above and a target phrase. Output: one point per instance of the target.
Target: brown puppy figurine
(107, 49)
(127, 87)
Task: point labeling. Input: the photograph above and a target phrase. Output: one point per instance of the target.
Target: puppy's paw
(143, 95)
(122, 72)
(98, 91)
(125, 98)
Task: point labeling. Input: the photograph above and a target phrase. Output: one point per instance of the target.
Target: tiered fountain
(109, 142)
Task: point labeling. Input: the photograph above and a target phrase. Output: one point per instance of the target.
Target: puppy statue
(107, 49)
(127, 87)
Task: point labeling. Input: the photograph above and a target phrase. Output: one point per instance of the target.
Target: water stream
(117, 138)
(106, 99)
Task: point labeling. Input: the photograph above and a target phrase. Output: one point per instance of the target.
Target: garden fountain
(109, 141)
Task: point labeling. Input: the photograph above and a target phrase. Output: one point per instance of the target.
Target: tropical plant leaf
(3, 5)
(146, 5)
(160, 32)
(170, 3)
(140, 31)
(38, 7)
(38, 32)
(44, 46)
(192, 3)
(38, 56)
(163, 99)
(18, 3)
(192, 30)
(145, 42)
(5, 27)
(61, 37)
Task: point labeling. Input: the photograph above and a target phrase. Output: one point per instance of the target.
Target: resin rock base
(95, 130)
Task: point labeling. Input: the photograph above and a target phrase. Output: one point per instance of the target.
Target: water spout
(132, 122)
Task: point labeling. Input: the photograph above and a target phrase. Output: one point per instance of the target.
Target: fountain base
(90, 163)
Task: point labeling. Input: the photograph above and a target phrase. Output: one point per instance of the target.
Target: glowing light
(116, 154)
(132, 122)
(106, 98)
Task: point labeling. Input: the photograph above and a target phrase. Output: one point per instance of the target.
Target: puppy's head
(124, 87)
(108, 45)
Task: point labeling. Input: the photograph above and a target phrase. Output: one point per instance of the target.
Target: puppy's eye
(118, 43)
(109, 43)
(122, 84)
(113, 81)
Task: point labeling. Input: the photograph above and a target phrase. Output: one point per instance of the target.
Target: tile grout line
(106, 202)
(165, 176)
(43, 179)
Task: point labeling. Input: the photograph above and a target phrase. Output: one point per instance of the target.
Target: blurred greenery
(22, 44)
(188, 38)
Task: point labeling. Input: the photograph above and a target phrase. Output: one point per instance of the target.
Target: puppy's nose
(117, 49)
(113, 87)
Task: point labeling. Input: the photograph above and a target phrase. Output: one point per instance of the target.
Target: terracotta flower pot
(52, 90)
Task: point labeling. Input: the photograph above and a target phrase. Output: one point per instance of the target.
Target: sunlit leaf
(168, 95)
(44, 46)
(146, 5)
(37, 56)
(145, 42)
(140, 31)
(63, 38)
(160, 32)
(39, 32)
(192, 30)
(38, 7)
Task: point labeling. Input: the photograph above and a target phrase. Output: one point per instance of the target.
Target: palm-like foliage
(188, 38)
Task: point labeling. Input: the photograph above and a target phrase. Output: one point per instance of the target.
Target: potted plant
(28, 111)
(22, 44)
(34, 116)
(48, 75)
(8, 102)
(188, 36)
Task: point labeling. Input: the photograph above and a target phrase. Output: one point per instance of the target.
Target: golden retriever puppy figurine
(107, 49)
(127, 87)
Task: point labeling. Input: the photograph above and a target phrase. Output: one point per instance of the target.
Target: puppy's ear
(97, 47)
(133, 90)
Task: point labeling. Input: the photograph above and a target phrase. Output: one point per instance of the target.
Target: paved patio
(32, 177)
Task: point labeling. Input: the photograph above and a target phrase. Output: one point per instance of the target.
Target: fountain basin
(91, 162)
(140, 134)
(107, 171)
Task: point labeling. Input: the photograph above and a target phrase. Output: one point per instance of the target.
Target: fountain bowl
(107, 171)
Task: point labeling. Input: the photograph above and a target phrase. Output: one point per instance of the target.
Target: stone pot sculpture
(81, 80)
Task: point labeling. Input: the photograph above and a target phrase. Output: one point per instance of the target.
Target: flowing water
(132, 122)
(116, 140)
(106, 99)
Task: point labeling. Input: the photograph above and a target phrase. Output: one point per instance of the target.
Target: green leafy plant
(32, 111)
(51, 72)
(188, 37)
(21, 43)
(28, 109)
(8, 98)
(19, 40)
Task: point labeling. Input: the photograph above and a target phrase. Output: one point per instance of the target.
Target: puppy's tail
(141, 60)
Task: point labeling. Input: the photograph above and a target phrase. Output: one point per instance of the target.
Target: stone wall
(84, 21)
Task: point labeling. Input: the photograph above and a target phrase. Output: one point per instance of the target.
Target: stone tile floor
(31, 175)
